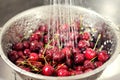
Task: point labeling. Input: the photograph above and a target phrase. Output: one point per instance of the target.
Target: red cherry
(103, 56)
(48, 70)
(26, 44)
(62, 66)
(19, 61)
(83, 44)
(20, 54)
(57, 56)
(98, 64)
(39, 33)
(27, 52)
(33, 56)
(90, 53)
(76, 50)
(13, 56)
(34, 37)
(75, 72)
(18, 46)
(79, 68)
(43, 28)
(34, 45)
(63, 72)
(79, 58)
(45, 39)
(66, 51)
(88, 70)
(69, 62)
(89, 65)
(86, 36)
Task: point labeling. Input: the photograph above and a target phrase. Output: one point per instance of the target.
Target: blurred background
(107, 8)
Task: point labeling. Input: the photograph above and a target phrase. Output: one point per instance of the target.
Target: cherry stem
(33, 67)
(47, 47)
(59, 66)
(100, 49)
(98, 38)
(92, 60)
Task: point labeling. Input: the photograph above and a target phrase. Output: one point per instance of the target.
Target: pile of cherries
(42, 55)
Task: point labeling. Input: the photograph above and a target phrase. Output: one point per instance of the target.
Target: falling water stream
(61, 22)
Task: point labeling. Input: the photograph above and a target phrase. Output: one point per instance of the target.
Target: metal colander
(28, 21)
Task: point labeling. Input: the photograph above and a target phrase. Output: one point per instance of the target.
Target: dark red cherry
(48, 70)
(33, 57)
(26, 44)
(63, 72)
(103, 56)
(13, 56)
(18, 46)
(34, 37)
(79, 58)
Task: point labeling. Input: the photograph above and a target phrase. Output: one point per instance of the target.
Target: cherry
(70, 44)
(33, 57)
(86, 36)
(53, 43)
(20, 54)
(75, 72)
(88, 70)
(66, 51)
(90, 53)
(103, 56)
(98, 64)
(18, 46)
(41, 57)
(92, 44)
(45, 38)
(19, 61)
(40, 44)
(75, 50)
(83, 44)
(34, 37)
(36, 64)
(39, 33)
(88, 65)
(43, 28)
(62, 66)
(34, 46)
(57, 56)
(49, 54)
(69, 62)
(79, 68)
(63, 72)
(13, 56)
(26, 44)
(48, 70)
(27, 52)
(79, 58)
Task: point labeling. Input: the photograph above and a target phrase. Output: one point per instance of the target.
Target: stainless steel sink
(108, 8)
